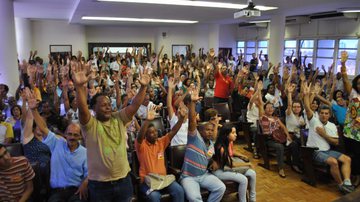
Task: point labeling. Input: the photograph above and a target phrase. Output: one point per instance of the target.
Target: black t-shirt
(253, 65)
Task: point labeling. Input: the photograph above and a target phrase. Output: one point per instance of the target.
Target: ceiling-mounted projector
(249, 11)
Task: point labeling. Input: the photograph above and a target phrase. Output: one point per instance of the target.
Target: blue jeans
(236, 177)
(175, 190)
(114, 191)
(208, 181)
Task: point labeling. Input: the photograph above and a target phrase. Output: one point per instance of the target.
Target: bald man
(68, 177)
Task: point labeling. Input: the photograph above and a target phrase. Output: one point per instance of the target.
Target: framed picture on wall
(180, 49)
(61, 50)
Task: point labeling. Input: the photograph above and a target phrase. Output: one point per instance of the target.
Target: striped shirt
(197, 155)
(13, 179)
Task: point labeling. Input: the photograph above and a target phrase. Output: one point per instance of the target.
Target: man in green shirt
(105, 135)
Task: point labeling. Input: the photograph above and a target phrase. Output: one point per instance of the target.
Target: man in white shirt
(322, 133)
(181, 136)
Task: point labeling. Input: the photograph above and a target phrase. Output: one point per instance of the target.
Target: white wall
(120, 34)
(228, 37)
(48, 32)
(53, 32)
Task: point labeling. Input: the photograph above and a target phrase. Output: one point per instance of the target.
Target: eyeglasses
(73, 134)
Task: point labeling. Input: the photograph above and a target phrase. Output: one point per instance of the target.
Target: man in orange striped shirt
(16, 177)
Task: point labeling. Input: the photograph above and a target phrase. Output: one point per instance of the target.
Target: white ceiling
(73, 10)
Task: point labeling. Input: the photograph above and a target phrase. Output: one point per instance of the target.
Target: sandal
(282, 173)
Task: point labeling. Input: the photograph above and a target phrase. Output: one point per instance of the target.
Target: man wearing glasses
(68, 177)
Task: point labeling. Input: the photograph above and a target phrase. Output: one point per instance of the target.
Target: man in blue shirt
(68, 177)
(339, 108)
(199, 150)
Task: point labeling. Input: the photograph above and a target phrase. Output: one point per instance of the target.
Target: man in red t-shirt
(224, 84)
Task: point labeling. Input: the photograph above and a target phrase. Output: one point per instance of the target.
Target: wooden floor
(271, 187)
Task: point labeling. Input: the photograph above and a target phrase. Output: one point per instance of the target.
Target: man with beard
(68, 177)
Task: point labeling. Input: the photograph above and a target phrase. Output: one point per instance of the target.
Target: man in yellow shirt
(6, 131)
(105, 135)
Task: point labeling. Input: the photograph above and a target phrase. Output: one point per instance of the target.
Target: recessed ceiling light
(208, 4)
(138, 20)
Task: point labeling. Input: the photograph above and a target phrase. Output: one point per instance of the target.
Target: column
(276, 40)
(23, 38)
(9, 73)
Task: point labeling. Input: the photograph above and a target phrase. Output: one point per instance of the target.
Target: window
(240, 46)
(290, 47)
(307, 49)
(250, 49)
(262, 46)
(325, 52)
(350, 46)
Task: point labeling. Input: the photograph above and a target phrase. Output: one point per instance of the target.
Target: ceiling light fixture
(259, 21)
(137, 20)
(208, 4)
(349, 10)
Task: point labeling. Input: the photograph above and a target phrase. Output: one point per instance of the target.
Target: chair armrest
(174, 171)
(135, 178)
(306, 148)
(307, 152)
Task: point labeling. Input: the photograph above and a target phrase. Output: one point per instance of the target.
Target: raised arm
(28, 128)
(144, 126)
(323, 100)
(80, 80)
(290, 89)
(117, 90)
(32, 102)
(139, 98)
(169, 97)
(261, 103)
(192, 114)
(347, 85)
(309, 112)
(183, 110)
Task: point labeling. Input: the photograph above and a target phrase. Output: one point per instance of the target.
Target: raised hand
(145, 78)
(260, 85)
(151, 113)
(157, 80)
(171, 83)
(23, 95)
(31, 99)
(306, 88)
(344, 56)
(194, 94)
(182, 110)
(79, 76)
(290, 88)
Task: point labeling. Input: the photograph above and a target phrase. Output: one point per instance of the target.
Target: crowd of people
(83, 118)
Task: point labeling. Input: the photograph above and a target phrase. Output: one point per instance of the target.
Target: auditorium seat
(266, 151)
(176, 156)
(15, 149)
